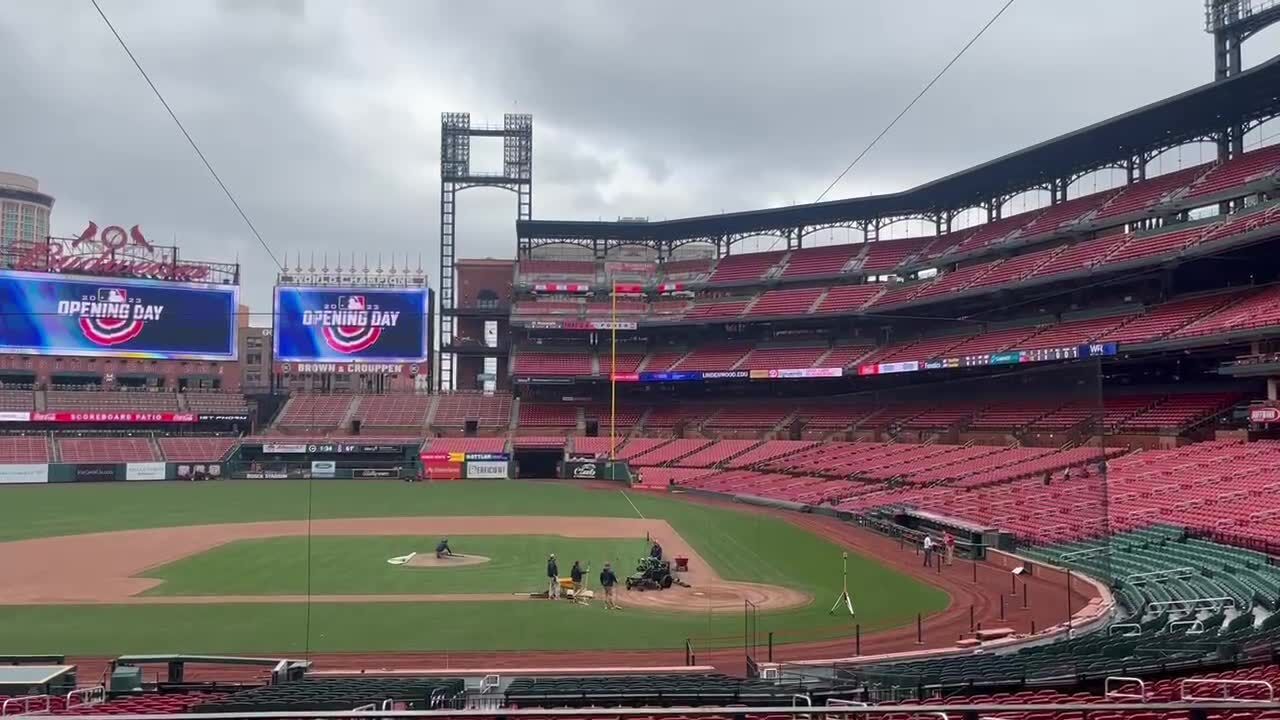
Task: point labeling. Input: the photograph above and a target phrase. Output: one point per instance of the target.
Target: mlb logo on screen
(351, 302)
(113, 295)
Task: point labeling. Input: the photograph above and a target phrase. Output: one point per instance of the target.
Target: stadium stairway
(345, 422)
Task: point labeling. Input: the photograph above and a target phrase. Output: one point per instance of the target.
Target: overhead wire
(190, 140)
(915, 100)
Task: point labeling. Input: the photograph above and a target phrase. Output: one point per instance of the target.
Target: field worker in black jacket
(607, 581)
(553, 576)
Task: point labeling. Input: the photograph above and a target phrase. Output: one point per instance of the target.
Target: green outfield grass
(740, 546)
(337, 565)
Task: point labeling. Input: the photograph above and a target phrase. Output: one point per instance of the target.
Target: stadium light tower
(456, 132)
(1231, 22)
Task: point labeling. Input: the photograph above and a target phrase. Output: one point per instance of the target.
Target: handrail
(1107, 692)
(24, 702)
(1128, 627)
(86, 696)
(489, 682)
(1226, 686)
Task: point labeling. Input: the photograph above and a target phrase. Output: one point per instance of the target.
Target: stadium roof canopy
(1198, 114)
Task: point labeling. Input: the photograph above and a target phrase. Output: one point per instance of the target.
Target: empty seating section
(748, 267)
(1179, 411)
(895, 294)
(848, 298)
(713, 357)
(669, 307)
(319, 411)
(393, 410)
(665, 418)
(662, 359)
(106, 449)
(1241, 223)
(993, 341)
(994, 232)
(563, 363)
(1143, 194)
(844, 355)
(922, 349)
(1260, 309)
(885, 255)
(626, 416)
(490, 411)
(777, 358)
(1054, 217)
(548, 307)
(555, 269)
(1167, 241)
(466, 444)
(700, 266)
(1010, 415)
(669, 451)
(1075, 332)
(25, 449)
(196, 449)
(639, 446)
(711, 308)
(17, 400)
(756, 416)
(1015, 268)
(1247, 168)
(1080, 256)
(546, 415)
(820, 261)
(625, 361)
(215, 402)
(1159, 321)
(956, 280)
(791, 301)
(597, 691)
(716, 453)
(130, 400)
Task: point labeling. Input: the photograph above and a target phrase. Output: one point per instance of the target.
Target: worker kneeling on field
(442, 549)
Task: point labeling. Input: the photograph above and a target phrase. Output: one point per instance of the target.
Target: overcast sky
(323, 115)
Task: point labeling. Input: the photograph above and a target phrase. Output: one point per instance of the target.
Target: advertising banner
(488, 457)
(442, 471)
(486, 470)
(144, 471)
(98, 472)
(323, 468)
(113, 417)
(116, 317)
(15, 417)
(24, 474)
(582, 470)
(369, 325)
(284, 448)
(375, 473)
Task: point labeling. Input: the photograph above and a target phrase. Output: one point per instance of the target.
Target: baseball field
(294, 566)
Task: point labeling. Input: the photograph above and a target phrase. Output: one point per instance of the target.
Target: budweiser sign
(114, 252)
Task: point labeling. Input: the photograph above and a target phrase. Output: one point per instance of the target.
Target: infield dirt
(107, 568)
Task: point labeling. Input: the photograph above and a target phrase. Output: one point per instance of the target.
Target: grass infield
(740, 546)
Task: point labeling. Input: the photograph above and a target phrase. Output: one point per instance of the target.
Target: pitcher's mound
(429, 560)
